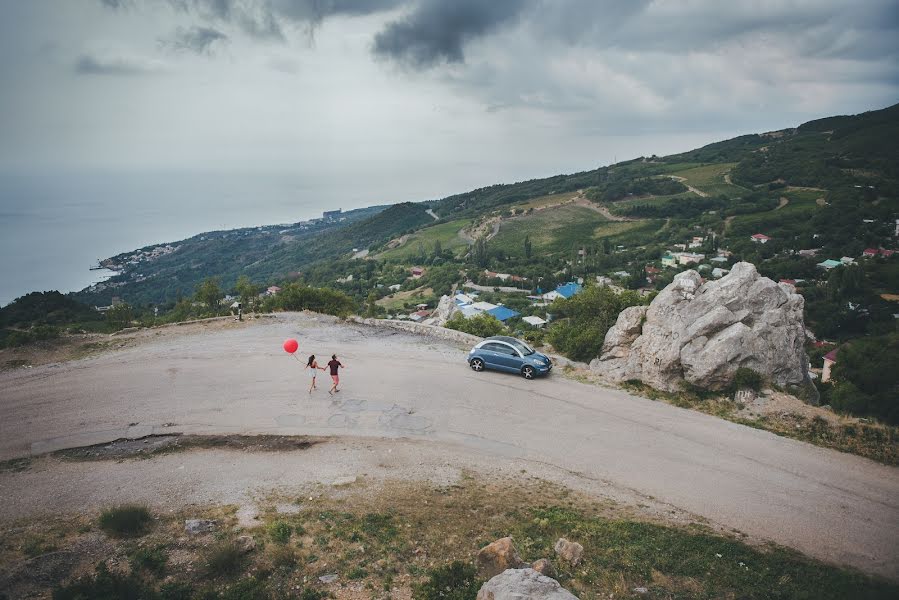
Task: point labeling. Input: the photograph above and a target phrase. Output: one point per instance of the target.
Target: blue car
(504, 353)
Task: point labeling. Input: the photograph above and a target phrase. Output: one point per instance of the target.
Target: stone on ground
(521, 584)
(570, 552)
(197, 526)
(496, 557)
(544, 567)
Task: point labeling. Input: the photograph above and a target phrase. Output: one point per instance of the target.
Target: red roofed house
(830, 360)
(870, 252)
(271, 291)
(887, 253)
(759, 238)
(417, 272)
(790, 281)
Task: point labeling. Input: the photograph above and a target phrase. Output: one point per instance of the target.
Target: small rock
(343, 481)
(496, 557)
(329, 578)
(245, 543)
(518, 584)
(195, 526)
(570, 552)
(544, 567)
(641, 590)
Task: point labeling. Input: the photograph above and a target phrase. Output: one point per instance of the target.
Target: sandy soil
(416, 394)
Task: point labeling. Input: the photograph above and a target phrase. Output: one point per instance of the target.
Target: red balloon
(291, 346)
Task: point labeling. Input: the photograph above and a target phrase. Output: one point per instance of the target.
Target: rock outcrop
(701, 333)
(445, 309)
(517, 584)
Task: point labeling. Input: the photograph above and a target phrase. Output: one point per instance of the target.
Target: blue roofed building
(569, 289)
(501, 313)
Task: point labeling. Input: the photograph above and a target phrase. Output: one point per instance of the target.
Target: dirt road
(833, 506)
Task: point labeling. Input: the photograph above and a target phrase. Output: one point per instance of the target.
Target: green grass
(650, 200)
(446, 233)
(710, 179)
(128, 520)
(548, 200)
(279, 532)
(550, 230)
(224, 559)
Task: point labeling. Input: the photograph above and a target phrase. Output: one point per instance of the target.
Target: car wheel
(477, 365)
(528, 372)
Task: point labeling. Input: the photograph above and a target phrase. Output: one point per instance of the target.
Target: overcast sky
(458, 92)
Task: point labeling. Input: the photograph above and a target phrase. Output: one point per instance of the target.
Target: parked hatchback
(504, 353)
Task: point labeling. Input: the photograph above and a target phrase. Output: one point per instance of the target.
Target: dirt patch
(148, 446)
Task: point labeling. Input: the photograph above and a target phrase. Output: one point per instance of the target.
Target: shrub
(455, 581)
(128, 520)
(482, 325)
(150, 559)
(280, 532)
(747, 379)
(104, 585)
(176, 591)
(224, 560)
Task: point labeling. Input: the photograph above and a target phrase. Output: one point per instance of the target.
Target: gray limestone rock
(701, 333)
(522, 584)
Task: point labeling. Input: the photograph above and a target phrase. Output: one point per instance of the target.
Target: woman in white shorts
(312, 367)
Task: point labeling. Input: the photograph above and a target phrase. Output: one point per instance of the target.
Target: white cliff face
(445, 309)
(702, 333)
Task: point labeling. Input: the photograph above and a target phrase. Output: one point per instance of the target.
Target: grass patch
(224, 559)
(455, 581)
(550, 230)
(279, 532)
(447, 233)
(710, 179)
(128, 520)
(151, 560)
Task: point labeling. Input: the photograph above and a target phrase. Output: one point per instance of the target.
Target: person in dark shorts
(334, 364)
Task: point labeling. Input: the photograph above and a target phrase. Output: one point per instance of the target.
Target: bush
(456, 581)
(280, 532)
(128, 520)
(747, 379)
(224, 560)
(149, 559)
(176, 591)
(482, 325)
(105, 585)
(584, 319)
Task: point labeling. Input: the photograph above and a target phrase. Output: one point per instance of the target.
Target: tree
(527, 246)
(480, 252)
(438, 249)
(209, 293)
(371, 309)
(120, 315)
(246, 291)
(482, 325)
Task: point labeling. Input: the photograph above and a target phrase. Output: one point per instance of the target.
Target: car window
(503, 349)
(522, 347)
(492, 347)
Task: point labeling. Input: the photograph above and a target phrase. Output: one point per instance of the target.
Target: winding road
(834, 506)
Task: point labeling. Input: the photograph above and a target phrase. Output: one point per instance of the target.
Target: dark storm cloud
(199, 40)
(437, 31)
(119, 66)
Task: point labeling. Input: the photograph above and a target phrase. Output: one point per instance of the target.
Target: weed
(224, 560)
(104, 585)
(128, 520)
(357, 572)
(150, 559)
(35, 546)
(279, 532)
(176, 591)
(455, 581)
(283, 557)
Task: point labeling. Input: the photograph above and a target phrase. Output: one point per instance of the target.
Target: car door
(508, 358)
(491, 353)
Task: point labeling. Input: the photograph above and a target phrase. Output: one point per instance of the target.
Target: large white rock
(523, 584)
(701, 333)
(445, 309)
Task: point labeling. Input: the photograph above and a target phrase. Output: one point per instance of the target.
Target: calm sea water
(54, 228)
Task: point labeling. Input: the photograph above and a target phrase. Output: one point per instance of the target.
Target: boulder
(544, 567)
(521, 584)
(197, 526)
(245, 544)
(570, 552)
(498, 556)
(700, 333)
(445, 309)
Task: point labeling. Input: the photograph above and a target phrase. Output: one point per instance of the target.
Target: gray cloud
(437, 31)
(119, 66)
(199, 40)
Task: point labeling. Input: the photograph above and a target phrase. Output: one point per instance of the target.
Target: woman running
(312, 367)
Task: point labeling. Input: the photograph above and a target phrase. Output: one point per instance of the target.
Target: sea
(54, 228)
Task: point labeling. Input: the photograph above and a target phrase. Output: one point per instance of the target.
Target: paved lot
(830, 505)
